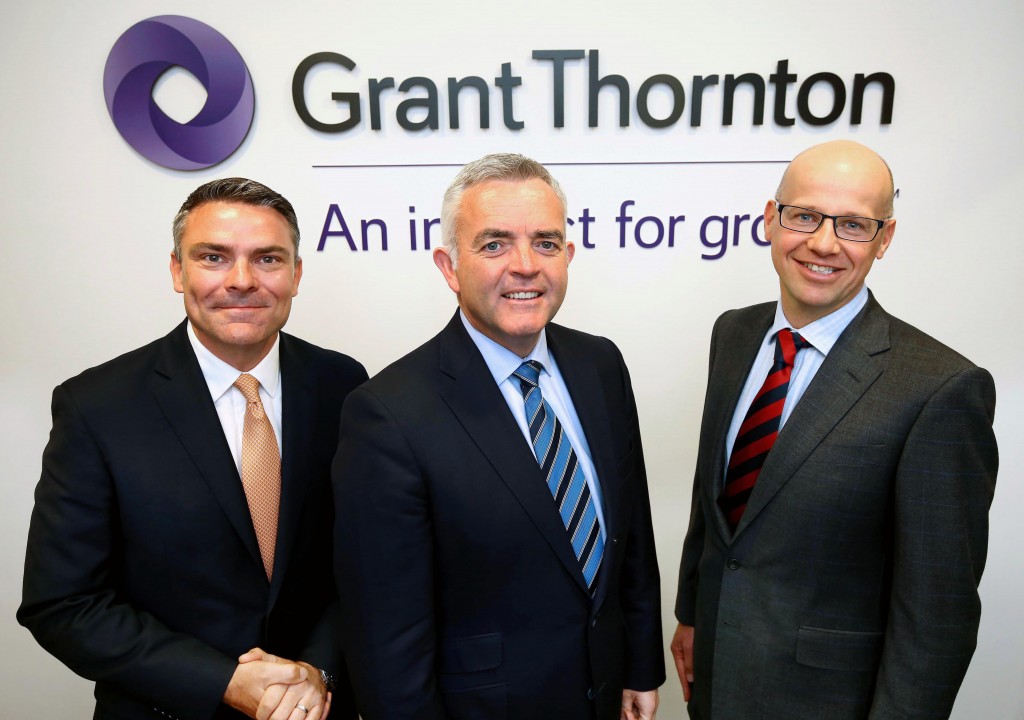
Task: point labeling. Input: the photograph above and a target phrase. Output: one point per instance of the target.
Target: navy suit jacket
(850, 587)
(460, 593)
(143, 572)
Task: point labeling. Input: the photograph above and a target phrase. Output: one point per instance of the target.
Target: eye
(798, 218)
(212, 258)
(547, 245)
(492, 246)
(269, 260)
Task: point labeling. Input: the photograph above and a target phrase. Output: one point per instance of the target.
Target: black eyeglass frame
(779, 207)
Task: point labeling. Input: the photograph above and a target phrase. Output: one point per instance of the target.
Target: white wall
(85, 222)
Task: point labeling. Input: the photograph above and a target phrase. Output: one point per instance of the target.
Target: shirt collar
(501, 361)
(220, 376)
(824, 332)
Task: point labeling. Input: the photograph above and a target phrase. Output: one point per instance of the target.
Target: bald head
(847, 164)
(822, 269)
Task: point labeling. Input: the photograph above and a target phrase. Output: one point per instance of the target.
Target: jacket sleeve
(641, 582)
(322, 649)
(943, 489)
(693, 544)
(72, 598)
(384, 565)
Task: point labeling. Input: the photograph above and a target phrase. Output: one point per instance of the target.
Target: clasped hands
(267, 687)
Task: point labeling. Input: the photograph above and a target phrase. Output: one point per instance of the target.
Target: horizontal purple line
(565, 164)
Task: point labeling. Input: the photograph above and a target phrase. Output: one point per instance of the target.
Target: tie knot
(249, 386)
(787, 344)
(529, 372)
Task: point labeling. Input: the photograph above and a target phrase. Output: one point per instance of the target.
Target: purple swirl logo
(146, 51)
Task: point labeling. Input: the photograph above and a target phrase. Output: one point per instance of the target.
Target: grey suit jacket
(849, 589)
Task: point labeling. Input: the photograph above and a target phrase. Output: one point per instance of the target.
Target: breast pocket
(861, 455)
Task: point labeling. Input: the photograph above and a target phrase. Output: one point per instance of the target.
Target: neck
(241, 357)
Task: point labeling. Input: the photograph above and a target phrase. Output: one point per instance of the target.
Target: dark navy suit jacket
(460, 592)
(143, 572)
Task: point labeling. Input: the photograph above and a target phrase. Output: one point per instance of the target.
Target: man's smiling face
(819, 272)
(238, 272)
(513, 260)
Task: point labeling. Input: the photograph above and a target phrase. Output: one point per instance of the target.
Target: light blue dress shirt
(822, 334)
(502, 362)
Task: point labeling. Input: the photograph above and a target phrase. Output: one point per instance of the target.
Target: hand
(682, 653)
(280, 701)
(639, 705)
(253, 676)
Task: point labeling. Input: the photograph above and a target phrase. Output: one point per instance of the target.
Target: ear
(176, 273)
(298, 277)
(887, 232)
(769, 219)
(444, 263)
(570, 251)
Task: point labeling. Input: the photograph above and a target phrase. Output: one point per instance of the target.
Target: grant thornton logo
(141, 55)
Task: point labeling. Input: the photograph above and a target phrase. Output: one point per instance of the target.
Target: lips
(240, 304)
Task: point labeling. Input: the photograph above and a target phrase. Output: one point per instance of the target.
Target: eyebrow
(822, 212)
(205, 247)
(499, 234)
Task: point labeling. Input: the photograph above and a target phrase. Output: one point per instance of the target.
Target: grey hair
(510, 167)
(235, 190)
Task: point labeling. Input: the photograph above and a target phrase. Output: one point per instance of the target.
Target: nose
(522, 260)
(241, 277)
(824, 240)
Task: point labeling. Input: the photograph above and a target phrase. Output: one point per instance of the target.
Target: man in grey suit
(839, 521)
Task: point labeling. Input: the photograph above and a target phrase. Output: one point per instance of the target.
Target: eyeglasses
(847, 227)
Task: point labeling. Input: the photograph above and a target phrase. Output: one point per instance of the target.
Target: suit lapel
(298, 419)
(184, 398)
(729, 369)
(851, 367)
(469, 390)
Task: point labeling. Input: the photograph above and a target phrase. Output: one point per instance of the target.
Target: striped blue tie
(564, 475)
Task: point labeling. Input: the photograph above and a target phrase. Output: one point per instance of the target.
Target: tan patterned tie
(261, 469)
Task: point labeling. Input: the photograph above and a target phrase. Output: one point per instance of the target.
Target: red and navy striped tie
(759, 429)
(562, 472)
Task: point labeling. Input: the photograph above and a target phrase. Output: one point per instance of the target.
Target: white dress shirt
(229, 400)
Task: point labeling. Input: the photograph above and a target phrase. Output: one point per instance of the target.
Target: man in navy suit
(150, 568)
(494, 550)
(831, 567)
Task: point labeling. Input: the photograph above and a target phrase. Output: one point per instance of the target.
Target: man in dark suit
(482, 582)
(831, 568)
(173, 547)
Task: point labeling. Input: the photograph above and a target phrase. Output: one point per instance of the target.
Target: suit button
(590, 694)
(734, 564)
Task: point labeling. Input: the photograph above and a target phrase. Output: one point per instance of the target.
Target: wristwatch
(328, 680)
